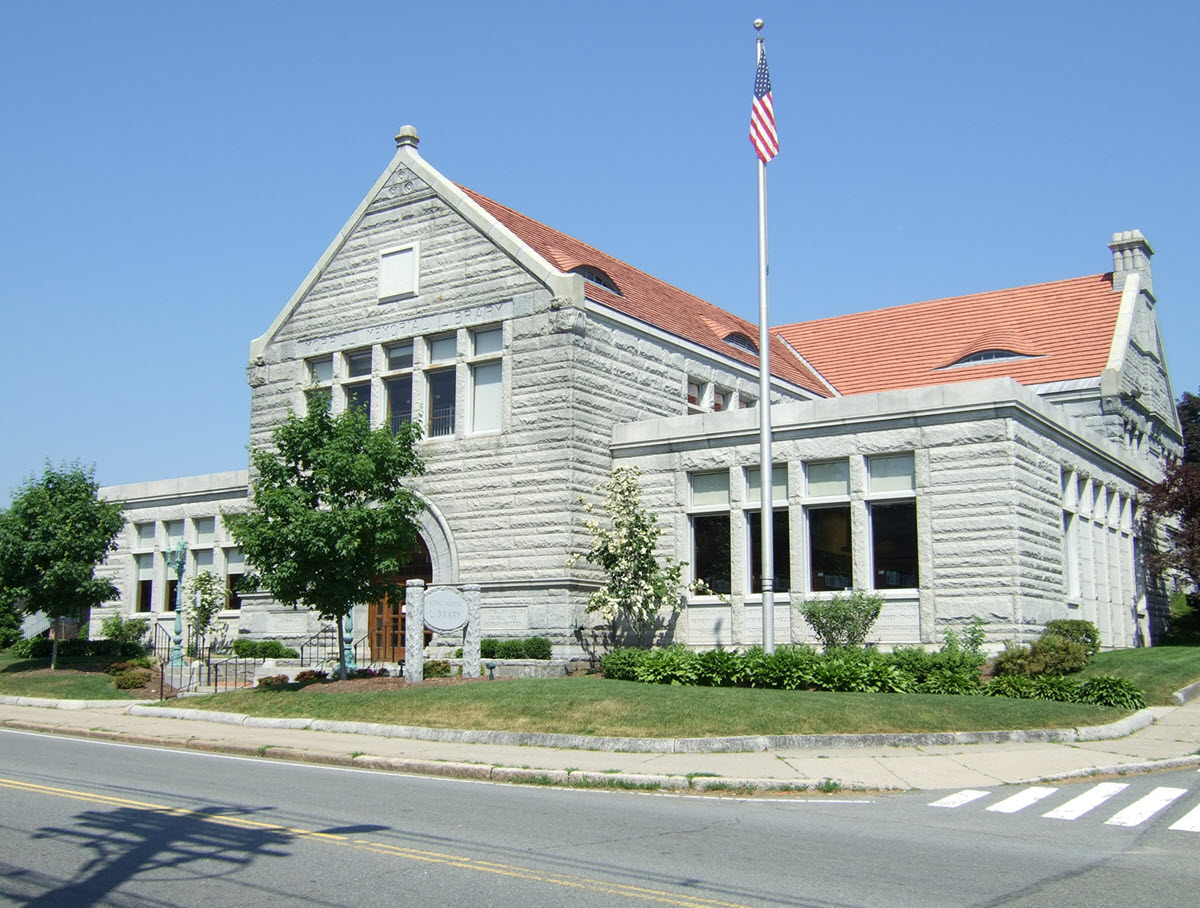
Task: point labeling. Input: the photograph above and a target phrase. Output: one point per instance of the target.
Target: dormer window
(994, 355)
(741, 341)
(595, 276)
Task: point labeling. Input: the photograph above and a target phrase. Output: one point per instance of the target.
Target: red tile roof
(650, 300)
(1064, 327)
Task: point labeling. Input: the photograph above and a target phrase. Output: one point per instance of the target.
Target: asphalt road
(91, 823)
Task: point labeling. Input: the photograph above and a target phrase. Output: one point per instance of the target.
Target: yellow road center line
(382, 848)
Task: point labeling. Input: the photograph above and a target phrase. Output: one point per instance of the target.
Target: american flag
(762, 114)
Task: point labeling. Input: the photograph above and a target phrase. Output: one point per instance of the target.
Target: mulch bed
(379, 684)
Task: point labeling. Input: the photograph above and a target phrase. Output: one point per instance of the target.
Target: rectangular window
(172, 590)
(202, 560)
(894, 545)
(358, 398)
(174, 533)
(779, 487)
(1070, 555)
(721, 399)
(828, 480)
(145, 583)
(711, 560)
(441, 403)
(235, 569)
(488, 341)
(206, 530)
(485, 400)
(399, 391)
(145, 536)
(891, 473)
(780, 545)
(710, 490)
(320, 371)
(400, 356)
(830, 560)
(398, 273)
(443, 349)
(358, 364)
(695, 395)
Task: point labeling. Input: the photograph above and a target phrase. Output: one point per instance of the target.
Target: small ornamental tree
(52, 538)
(1176, 502)
(331, 520)
(204, 595)
(639, 586)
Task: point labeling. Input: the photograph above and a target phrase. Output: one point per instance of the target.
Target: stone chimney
(1131, 253)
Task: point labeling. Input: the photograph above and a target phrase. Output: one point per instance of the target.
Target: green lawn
(30, 678)
(1158, 670)
(593, 706)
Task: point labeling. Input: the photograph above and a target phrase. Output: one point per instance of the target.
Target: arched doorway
(385, 619)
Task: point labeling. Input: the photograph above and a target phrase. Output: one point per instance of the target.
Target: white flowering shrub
(625, 547)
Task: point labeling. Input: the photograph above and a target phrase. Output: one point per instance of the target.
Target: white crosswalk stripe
(1189, 823)
(1089, 800)
(1022, 800)
(959, 798)
(1135, 814)
(1141, 810)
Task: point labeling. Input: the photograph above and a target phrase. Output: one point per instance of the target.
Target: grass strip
(1158, 670)
(74, 680)
(593, 706)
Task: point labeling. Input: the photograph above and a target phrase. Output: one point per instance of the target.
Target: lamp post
(177, 561)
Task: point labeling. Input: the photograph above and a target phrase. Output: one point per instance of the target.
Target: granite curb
(1186, 694)
(49, 703)
(735, 744)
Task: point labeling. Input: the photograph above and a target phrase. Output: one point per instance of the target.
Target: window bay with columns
(209, 548)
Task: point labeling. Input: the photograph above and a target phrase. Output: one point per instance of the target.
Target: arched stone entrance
(386, 619)
(433, 560)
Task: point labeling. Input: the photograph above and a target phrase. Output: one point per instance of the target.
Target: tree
(331, 520)
(204, 595)
(52, 538)
(638, 585)
(1175, 501)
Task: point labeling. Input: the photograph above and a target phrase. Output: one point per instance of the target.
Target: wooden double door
(386, 619)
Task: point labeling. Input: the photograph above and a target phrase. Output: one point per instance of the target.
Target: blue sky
(171, 171)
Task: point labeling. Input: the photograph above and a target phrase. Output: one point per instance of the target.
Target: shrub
(9, 636)
(273, 682)
(1080, 631)
(108, 650)
(244, 648)
(510, 649)
(263, 649)
(718, 668)
(788, 668)
(841, 671)
(117, 668)
(1045, 656)
(487, 648)
(125, 630)
(949, 678)
(132, 679)
(437, 668)
(1105, 690)
(755, 668)
(621, 664)
(1054, 687)
(368, 673)
(843, 620)
(538, 648)
(670, 665)
(1016, 686)
(312, 676)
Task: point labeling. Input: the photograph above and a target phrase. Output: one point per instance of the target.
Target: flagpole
(766, 514)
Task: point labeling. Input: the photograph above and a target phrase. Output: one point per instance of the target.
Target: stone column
(471, 667)
(414, 631)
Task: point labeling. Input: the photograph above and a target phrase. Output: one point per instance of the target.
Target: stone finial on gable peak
(407, 137)
(1131, 252)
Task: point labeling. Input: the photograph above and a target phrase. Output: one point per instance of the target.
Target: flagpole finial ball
(758, 23)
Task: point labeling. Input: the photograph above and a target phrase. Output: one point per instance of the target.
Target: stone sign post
(443, 610)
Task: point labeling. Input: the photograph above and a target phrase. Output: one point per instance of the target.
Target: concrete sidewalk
(1172, 740)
